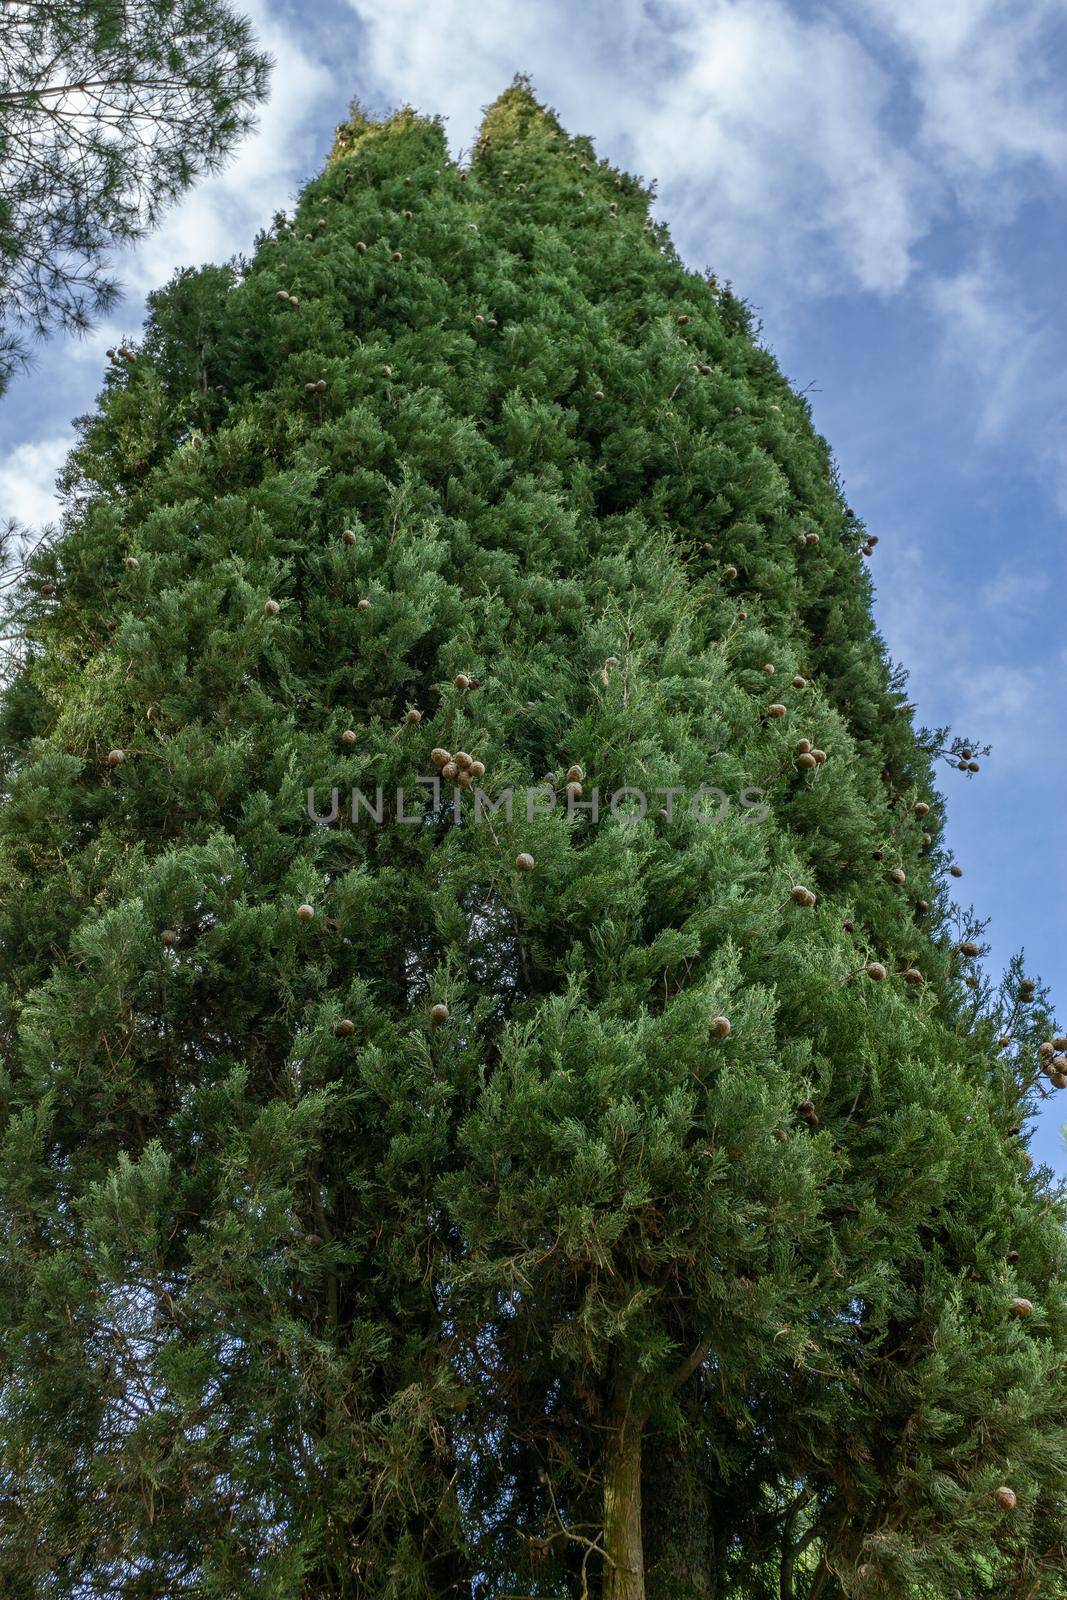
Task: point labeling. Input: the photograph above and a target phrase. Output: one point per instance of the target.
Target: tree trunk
(624, 1576)
(679, 1533)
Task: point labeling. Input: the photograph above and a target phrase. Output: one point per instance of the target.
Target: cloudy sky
(885, 181)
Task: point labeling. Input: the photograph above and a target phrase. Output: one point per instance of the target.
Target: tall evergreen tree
(622, 1201)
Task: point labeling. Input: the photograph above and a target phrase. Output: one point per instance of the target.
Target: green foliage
(108, 112)
(294, 1309)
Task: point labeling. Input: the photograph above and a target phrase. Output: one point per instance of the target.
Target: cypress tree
(612, 1181)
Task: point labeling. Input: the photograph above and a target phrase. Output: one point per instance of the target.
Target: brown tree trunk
(624, 1575)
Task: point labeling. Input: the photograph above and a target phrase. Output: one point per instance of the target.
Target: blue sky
(885, 181)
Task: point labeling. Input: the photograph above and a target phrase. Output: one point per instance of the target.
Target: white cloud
(776, 124)
(1014, 591)
(985, 329)
(980, 72)
(27, 480)
(1009, 368)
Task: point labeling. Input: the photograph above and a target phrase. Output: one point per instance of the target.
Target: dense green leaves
(393, 1246)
